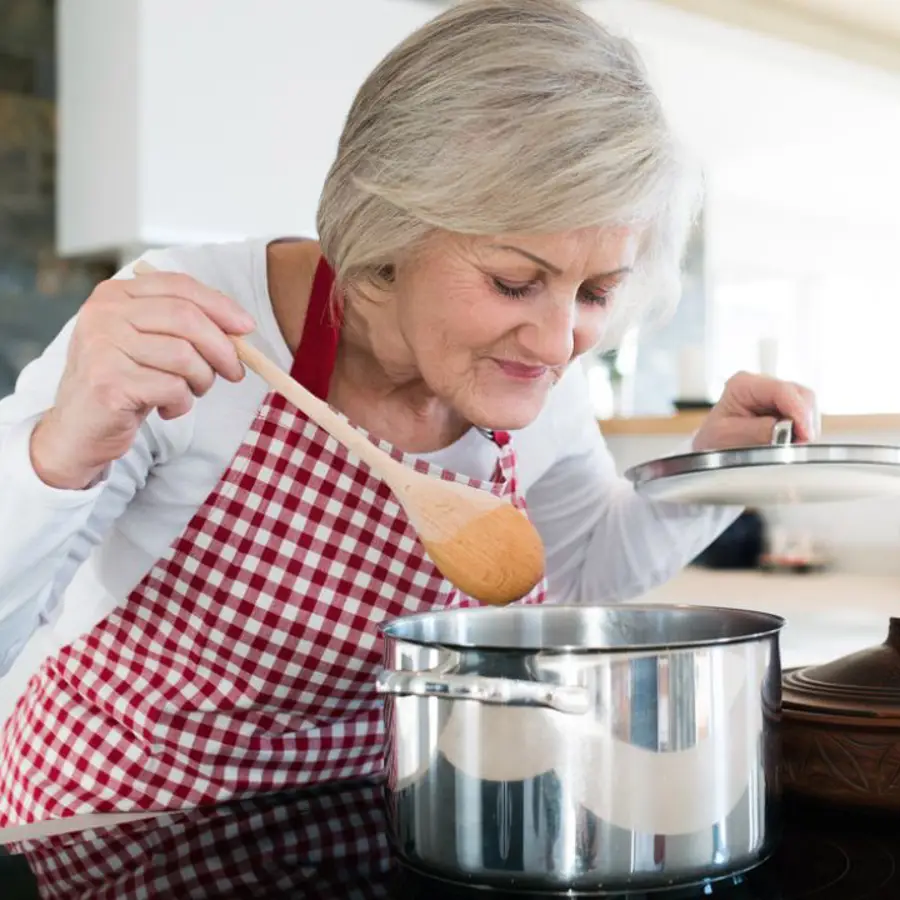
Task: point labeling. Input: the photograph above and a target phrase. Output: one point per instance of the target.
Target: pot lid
(864, 684)
(777, 473)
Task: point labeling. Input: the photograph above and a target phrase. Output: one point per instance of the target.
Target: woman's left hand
(749, 408)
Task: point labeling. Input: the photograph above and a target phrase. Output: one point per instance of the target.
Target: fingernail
(246, 321)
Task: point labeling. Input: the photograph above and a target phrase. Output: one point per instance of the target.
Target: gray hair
(510, 116)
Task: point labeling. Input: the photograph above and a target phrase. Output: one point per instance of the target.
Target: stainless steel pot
(583, 748)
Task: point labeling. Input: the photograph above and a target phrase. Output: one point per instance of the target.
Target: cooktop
(332, 843)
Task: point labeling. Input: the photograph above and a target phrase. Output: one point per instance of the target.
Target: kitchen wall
(172, 131)
(38, 290)
(799, 149)
(660, 346)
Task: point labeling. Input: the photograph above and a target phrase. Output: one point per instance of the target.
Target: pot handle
(504, 691)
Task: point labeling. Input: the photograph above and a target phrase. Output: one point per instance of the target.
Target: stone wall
(38, 291)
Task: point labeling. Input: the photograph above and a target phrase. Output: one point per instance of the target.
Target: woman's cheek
(589, 330)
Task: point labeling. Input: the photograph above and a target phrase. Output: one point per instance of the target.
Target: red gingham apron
(244, 661)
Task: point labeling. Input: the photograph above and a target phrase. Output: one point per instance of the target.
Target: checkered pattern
(244, 662)
(333, 845)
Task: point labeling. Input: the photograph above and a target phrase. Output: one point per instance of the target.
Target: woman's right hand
(153, 342)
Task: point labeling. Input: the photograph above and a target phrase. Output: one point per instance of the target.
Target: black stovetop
(824, 855)
(332, 843)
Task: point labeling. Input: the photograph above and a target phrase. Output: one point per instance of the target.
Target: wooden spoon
(481, 543)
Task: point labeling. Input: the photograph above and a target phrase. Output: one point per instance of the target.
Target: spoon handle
(317, 410)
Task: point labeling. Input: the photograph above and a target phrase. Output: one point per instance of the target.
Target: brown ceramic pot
(841, 729)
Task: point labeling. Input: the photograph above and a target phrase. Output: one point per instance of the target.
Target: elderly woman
(192, 573)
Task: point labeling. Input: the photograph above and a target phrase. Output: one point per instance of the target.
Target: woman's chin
(507, 413)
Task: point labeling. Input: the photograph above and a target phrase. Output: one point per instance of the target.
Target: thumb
(735, 431)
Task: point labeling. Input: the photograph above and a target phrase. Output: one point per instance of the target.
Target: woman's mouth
(522, 371)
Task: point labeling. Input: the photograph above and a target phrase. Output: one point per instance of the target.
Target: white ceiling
(864, 31)
(879, 16)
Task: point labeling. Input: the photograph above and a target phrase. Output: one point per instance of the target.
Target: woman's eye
(585, 295)
(512, 290)
(594, 298)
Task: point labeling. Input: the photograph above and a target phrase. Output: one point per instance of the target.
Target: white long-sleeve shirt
(68, 558)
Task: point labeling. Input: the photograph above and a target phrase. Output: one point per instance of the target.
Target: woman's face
(492, 323)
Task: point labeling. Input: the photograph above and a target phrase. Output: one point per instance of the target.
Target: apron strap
(314, 360)
(315, 357)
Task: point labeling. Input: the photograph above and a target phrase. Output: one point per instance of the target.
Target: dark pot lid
(864, 685)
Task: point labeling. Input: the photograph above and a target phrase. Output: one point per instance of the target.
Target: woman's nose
(550, 335)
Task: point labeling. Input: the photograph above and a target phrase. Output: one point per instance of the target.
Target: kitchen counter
(828, 615)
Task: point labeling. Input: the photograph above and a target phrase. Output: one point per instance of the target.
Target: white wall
(799, 147)
(242, 112)
(800, 151)
(757, 239)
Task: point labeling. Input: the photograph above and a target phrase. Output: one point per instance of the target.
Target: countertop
(828, 615)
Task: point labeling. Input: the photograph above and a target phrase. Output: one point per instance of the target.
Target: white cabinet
(207, 119)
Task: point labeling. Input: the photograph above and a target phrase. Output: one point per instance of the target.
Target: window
(836, 335)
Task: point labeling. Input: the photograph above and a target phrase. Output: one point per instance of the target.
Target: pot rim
(768, 624)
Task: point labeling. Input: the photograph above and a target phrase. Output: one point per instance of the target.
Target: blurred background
(127, 124)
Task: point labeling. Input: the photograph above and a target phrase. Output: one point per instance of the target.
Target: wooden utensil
(481, 543)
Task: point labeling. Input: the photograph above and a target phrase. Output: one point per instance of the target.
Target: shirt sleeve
(604, 541)
(46, 532)
(37, 522)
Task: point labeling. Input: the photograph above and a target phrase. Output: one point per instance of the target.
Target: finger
(173, 355)
(736, 431)
(167, 393)
(762, 396)
(182, 319)
(752, 393)
(229, 315)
